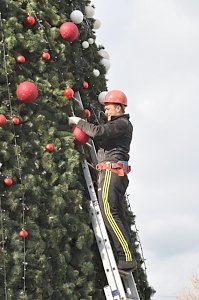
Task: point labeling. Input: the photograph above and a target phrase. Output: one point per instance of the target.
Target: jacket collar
(126, 116)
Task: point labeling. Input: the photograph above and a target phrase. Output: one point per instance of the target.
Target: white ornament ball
(96, 72)
(97, 24)
(91, 41)
(106, 63)
(90, 11)
(104, 54)
(76, 16)
(102, 96)
(85, 44)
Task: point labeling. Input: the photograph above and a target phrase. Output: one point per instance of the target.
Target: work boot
(128, 266)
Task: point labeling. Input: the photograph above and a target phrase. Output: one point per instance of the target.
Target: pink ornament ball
(23, 233)
(45, 56)
(69, 93)
(2, 120)
(16, 121)
(80, 136)
(27, 92)
(8, 181)
(69, 31)
(85, 84)
(21, 59)
(50, 148)
(30, 21)
(87, 113)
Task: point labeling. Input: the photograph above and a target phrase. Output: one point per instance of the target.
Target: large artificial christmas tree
(47, 247)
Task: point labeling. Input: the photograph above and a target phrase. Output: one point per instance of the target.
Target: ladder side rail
(128, 280)
(131, 288)
(134, 289)
(104, 245)
(93, 153)
(112, 285)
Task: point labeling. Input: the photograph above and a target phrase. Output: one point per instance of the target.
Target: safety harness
(120, 168)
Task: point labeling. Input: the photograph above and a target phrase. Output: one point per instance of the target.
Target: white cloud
(179, 229)
(165, 274)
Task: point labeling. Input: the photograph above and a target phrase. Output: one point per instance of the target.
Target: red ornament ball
(2, 120)
(50, 147)
(69, 31)
(23, 233)
(8, 181)
(45, 56)
(27, 92)
(85, 84)
(87, 113)
(21, 59)
(69, 93)
(16, 121)
(80, 137)
(30, 21)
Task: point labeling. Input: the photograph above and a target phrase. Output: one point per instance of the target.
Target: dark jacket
(114, 137)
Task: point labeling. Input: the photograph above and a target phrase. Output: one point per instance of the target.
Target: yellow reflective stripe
(110, 218)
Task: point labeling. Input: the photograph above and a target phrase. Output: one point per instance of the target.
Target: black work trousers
(111, 191)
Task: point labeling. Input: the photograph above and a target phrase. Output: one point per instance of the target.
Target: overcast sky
(154, 55)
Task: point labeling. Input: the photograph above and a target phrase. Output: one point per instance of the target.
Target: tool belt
(120, 168)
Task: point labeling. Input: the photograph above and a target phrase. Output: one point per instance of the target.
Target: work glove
(73, 120)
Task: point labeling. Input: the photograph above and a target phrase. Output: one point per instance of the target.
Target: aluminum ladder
(121, 286)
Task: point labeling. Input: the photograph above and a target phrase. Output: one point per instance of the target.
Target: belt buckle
(108, 163)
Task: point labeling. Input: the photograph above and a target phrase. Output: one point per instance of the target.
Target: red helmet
(116, 96)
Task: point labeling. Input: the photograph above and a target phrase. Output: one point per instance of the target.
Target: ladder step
(124, 273)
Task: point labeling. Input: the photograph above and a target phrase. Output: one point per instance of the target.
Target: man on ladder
(114, 140)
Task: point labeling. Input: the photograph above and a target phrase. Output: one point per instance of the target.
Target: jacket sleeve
(112, 129)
